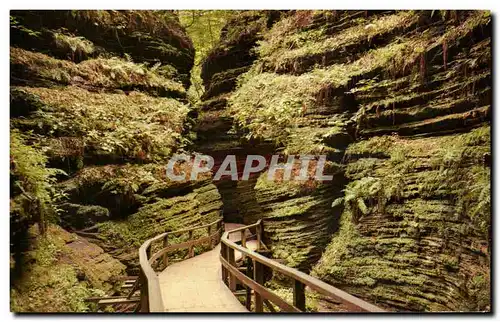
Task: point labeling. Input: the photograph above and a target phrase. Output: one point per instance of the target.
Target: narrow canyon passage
(398, 102)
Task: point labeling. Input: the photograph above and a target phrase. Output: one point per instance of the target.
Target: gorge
(399, 102)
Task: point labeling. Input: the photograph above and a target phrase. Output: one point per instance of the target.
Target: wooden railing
(154, 257)
(253, 278)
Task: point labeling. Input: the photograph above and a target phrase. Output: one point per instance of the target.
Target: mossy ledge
(404, 109)
(98, 105)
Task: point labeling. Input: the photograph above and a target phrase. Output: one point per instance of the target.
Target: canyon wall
(102, 94)
(400, 102)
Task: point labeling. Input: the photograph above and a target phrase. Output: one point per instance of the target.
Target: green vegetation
(282, 52)
(204, 28)
(53, 281)
(286, 293)
(428, 192)
(109, 73)
(100, 93)
(198, 205)
(164, 215)
(269, 104)
(78, 46)
(119, 180)
(133, 126)
(160, 23)
(450, 159)
(399, 102)
(297, 217)
(33, 192)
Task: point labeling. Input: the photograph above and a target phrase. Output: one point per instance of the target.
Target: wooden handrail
(151, 299)
(230, 273)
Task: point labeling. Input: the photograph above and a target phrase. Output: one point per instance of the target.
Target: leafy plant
(134, 126)
(361, 195)
(204, 28)
(108, 73)
(76, 45)
(33, 193)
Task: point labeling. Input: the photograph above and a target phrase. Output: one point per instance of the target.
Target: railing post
(165, 256)
(249, 273)
(191, 248)
(223, 252)
(258, 276)
(299, 295)
(243, 242)
(231, 260)
(222, 229)
(259, 236)
(210, 241)
(144, 301)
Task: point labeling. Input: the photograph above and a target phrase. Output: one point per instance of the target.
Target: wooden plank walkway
(195, 284)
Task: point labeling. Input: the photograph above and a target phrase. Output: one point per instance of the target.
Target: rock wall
(400, 102)
(103, 95)
(214, 127)
(59, 270)
(145, 36)
(141, 203)
(415, 223)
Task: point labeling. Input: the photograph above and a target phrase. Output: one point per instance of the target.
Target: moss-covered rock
(189, 205)
(387, 94)
(398, 101)
(100, 95)
(142, 203)
(278, 106)
(298, 217)
(234, 52)
(98, 74)
(111, 127)
(146, 36)
(79, 216)
(414, 232)
(60, 271)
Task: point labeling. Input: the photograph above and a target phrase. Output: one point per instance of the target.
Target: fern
(338, 202)
(33, 191)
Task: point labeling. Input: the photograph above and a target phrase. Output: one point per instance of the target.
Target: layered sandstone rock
(401, 102)
(103, 95)
(59, 270)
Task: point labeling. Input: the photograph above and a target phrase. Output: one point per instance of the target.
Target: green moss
(286, 293)
(133, 126)
(338, 248)
(102, 72)
(155, 23)
(162, 214)
(395, 247)
(50, 284)
(312, 140)
(15, 24)
(268, 104)
(74, 44)
(476, 19)
(316, 41)
(33, 193)
(479, 286)
(150, 220)
(115, 179)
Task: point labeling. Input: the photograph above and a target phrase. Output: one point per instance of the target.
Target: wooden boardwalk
(195, 284)
(208, 282)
